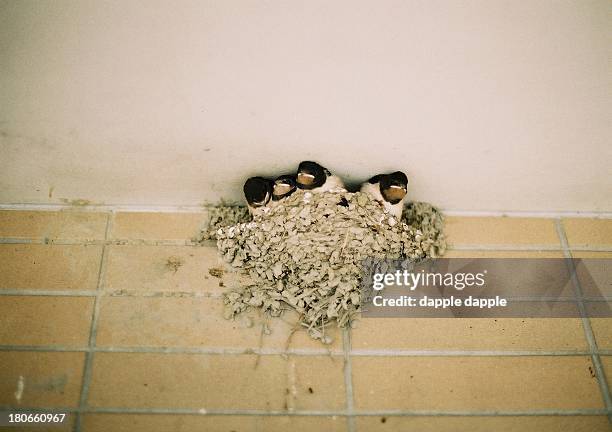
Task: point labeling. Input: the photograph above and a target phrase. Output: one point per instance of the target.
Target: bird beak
(281, 189)
(397, 192)
(305, 179)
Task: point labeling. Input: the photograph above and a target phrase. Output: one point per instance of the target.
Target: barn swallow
(258, 193)
(283, 187)
(388, 189)
(314, 178)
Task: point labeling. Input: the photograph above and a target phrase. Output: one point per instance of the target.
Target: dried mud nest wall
(306, 254)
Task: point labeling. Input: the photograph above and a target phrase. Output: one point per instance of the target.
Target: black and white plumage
(388, 189)
(283, 186)
(258, 193)
(315, 178)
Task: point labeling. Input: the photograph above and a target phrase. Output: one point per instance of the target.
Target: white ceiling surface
(486, 105)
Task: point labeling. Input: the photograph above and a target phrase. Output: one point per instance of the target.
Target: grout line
(307, 413)
(178, 350)
(110, 293)
(217, 412)
(305, 351)
(46, 293)
(103, 208)
(167, 242)
(222, 351)
(121, 293)
(87, 371)
(465, 353)
(42, 348)
(194, 208)
(428, 413)
(528, 214)
(534, 247)
(50, 241)
(504, 247)
(217, 295)
(591, 248)
(211, 243)
(17, 240)
(586, 323)
(348, 379)
(119, 242)
(603, 298)
(165, 294)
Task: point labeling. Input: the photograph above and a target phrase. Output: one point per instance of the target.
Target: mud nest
(307, 253)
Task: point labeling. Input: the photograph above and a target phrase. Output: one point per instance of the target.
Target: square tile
(606, 361)
(217, 381)
(315, 383)
(594, 271)
(53, 225)
(44, 379)
(157, 226)
(210, 423)
(196, 322)
(537, 334)
(45, 320)
(587, 232)
(475, 383)
(595, 278)
(174, 269)
(49, 267)
(501, 231)
(484, 424)
(602, 329)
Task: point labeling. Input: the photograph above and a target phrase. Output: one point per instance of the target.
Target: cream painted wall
(487, 105)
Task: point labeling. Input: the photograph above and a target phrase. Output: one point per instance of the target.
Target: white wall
(487, 105)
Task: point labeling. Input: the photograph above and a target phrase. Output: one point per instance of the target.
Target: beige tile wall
(161, 356)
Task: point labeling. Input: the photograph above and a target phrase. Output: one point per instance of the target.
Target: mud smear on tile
(592, 372)
(216, 272)
(54, 384)
(306, 254)
(77, 204)
(174, 263)
(155, 294)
